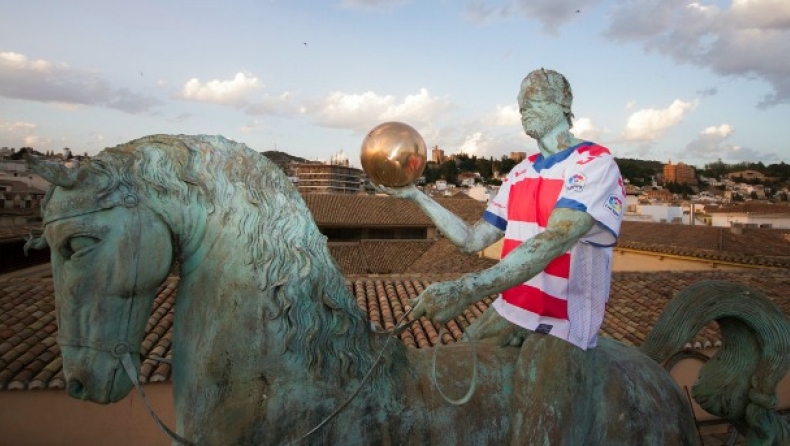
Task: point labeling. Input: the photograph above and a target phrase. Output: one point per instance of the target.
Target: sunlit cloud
(507, 115)
(364, 111)
(583, 128)
(234, 92)
(651, 124)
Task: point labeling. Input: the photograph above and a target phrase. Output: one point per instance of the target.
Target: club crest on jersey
(615, 205)
(576, 182)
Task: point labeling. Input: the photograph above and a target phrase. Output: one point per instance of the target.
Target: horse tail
(739, 382)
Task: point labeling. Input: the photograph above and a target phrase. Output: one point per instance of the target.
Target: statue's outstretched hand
(442, 301)
(405, 192)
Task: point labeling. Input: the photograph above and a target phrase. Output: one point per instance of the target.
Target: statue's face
(539, 117)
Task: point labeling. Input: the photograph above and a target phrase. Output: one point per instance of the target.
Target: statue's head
(545, 101)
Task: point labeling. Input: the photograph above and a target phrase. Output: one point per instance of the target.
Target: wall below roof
(628, 260)
(38, 417)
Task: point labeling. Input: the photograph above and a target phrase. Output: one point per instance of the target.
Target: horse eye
(78, 243)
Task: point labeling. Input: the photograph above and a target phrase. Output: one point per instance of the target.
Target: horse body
(267, 338)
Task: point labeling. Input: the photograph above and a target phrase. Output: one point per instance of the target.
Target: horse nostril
(75, 388)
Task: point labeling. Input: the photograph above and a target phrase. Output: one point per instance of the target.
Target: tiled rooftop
(766, 247)
(30, 357)
(404, 256)
(750, 208)
(379, 210)
(443, 257)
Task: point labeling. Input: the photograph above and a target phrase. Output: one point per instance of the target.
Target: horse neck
(225, 308)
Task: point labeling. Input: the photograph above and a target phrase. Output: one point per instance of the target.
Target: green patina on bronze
(268, 341)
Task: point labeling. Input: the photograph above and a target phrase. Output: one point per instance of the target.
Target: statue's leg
(552, 392)
(488, 325)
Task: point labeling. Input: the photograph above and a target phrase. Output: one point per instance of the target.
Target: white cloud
(471, 145)
(256, 123)
(364, 111)
(650, 124)
(44, 81)
(507, 115)
(552, 14)
(764, 14)
(749, 39)
(16, 128)
(721, 131)
(714, 142)
(228, 92)
(584, 128)
(273, 105)
(711, 141)
(373, 4)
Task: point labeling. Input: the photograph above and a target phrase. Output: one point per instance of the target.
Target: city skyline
(658, 80)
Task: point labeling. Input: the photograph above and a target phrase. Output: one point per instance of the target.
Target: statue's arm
(444, 300)
(468, 238)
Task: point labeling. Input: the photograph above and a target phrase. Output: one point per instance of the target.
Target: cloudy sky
(652, 79)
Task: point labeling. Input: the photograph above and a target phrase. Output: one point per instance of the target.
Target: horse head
(97, 228)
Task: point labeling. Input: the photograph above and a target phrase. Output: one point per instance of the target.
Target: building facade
(317, 178)
(437, 155)
(680, 173)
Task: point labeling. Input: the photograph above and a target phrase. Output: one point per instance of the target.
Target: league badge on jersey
(615, 205)
(576, 182)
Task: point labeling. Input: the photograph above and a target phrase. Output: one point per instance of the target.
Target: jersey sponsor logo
(615, 205)
(544, 328)
(576, 182)
(520, 172)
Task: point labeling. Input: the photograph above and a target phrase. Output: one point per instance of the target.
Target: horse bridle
(121, 350)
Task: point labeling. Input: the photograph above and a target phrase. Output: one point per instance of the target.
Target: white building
(756, 215)
(656, 213)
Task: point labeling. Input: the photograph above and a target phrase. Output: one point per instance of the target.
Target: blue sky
(652, 79)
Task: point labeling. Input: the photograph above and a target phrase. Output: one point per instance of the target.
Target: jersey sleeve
(594, 185)
(496, 213)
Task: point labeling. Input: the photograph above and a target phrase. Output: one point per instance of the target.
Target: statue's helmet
(548, 85)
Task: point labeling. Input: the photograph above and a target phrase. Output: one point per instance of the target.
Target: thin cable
(392, 335)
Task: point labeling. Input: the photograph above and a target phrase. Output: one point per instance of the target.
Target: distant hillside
(282, 159)
(277, 157)
(639, 171)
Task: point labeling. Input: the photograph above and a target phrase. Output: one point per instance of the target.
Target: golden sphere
(393, 154)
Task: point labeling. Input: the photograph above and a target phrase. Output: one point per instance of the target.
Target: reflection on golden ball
(393, 154)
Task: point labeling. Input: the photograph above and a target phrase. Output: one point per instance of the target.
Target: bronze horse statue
(268, 340)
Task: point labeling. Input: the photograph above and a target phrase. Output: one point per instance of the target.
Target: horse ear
(55, 173)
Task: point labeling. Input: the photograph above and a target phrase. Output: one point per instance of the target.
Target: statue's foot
(489, 325)
(513, 336)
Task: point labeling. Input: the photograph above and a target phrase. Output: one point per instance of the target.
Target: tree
(449, 172)
(484, 167)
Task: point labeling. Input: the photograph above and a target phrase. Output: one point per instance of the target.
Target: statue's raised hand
(442, 301)
(406, 192)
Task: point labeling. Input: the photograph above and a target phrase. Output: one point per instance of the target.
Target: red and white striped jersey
(568, 298)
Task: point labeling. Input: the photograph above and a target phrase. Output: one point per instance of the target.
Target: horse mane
(289, 257)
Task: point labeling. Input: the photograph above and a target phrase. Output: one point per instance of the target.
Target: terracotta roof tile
(30, 357)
